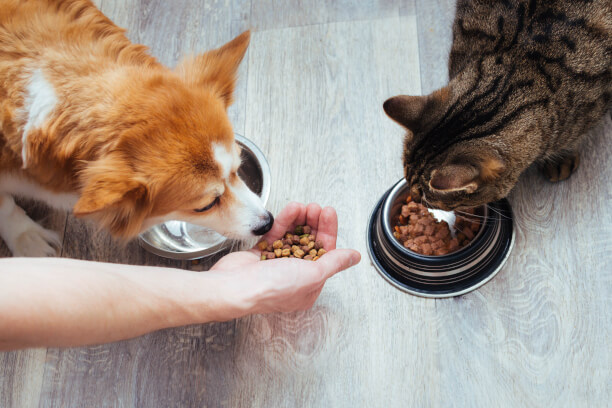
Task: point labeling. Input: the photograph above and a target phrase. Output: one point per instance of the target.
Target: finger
(327, 231)
(313, 211)
(337, 260)
(286, 219)
(310, 299)
(236, 259)
(316, 293)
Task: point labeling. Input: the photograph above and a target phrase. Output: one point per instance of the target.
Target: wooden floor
(310, 96)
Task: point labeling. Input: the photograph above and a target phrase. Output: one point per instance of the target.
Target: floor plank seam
(61, 254)
(389, 17)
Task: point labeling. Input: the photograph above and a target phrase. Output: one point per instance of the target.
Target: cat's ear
(216, 69)
(465, 177)
(454, 177)
(411, 111)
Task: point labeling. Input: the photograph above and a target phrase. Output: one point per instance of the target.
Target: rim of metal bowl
(263, 165)
(385, 215)
(404, 289)
(376, 262)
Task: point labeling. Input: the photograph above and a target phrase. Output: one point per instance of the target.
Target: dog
(93, 123)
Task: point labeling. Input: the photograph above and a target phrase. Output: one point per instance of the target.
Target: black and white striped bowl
(439, 276)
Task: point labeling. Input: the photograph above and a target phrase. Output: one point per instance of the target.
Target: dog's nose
(267, 226)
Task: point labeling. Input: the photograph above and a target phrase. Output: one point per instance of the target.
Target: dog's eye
(209, 206)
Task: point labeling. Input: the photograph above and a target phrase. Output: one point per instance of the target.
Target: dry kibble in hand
(299, 243)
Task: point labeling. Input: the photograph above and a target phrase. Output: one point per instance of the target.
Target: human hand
(286, 284)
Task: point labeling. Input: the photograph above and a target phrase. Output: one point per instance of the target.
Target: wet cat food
(418, 230)
(299, 243)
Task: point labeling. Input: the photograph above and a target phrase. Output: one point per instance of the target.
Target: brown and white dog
(93, 123)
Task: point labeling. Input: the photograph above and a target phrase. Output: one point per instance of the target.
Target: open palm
(289, 284)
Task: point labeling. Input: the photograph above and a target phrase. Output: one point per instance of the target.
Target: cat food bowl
(441, 276)
(181, 240)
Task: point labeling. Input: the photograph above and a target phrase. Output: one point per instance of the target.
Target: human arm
(64, 302)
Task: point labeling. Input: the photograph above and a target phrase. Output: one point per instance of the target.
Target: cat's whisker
(501, 214)
(472, 217)
(484, 219)
(425, 202)
(467, 216)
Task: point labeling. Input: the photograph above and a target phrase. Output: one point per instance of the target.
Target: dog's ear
(104, 192)
(115, 201)
(216, 69)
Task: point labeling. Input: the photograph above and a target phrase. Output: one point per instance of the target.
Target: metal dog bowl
(448, 275)
(181, 240)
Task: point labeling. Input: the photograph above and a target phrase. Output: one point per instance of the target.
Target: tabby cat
(527, 79)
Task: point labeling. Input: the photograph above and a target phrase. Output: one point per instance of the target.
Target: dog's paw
(562, 168)
(35, 241)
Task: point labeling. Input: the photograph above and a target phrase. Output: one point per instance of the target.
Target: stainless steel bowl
(439, 276)
(181, 240)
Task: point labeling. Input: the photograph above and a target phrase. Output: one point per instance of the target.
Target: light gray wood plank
(525, 339)
(173, 29)
(241, 14)
(538, 334)
(311, 98)
(122, 374)
(407, 8)
(21, 376)
(434, 20)
(170, 368)
(314, 106)
(273, 14)
(21, 372)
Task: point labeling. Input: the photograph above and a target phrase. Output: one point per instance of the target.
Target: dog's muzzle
(265, 226)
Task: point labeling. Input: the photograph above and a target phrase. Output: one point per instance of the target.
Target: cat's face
(444, 170)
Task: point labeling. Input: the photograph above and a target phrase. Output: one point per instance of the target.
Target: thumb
(337, 260)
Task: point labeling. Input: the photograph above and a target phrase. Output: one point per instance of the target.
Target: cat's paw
(562, 168)
(35, 241)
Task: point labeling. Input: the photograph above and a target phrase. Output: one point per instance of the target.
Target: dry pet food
(299, 243)
(418, 230)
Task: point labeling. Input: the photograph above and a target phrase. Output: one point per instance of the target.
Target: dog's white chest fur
(40, 100)
(21, 187)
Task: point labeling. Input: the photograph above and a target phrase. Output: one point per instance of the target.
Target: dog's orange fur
(130, 136)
